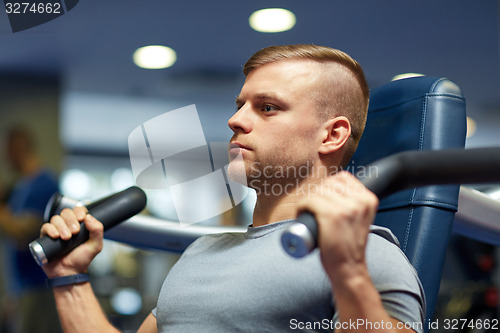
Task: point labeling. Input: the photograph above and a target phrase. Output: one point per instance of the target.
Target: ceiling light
(76, 184)
(154, 57)
(272, 20)
(405, 76)
(471, 127)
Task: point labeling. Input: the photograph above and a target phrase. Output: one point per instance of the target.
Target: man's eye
(269, 108)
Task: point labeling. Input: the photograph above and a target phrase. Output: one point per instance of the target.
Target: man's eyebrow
(239, 101)
(267, 95)
(261, 96)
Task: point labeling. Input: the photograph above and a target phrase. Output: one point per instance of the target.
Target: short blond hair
(348, 100)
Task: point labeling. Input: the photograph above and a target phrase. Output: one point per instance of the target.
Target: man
(302, 108)
(20, 221)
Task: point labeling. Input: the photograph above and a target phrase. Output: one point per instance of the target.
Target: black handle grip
(401, 171)
(110, 211)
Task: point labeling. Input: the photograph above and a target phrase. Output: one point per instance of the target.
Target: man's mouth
(236, 148)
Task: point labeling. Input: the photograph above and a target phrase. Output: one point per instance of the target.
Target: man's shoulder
(386, 261)
(384, 233)
(384, 246)
(45, 180)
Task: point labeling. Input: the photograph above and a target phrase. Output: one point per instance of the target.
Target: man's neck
(268, 210)
(271, 208)
(30, 166)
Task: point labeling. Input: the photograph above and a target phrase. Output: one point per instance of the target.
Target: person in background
(21, 215)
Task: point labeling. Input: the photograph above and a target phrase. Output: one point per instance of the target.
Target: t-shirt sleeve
(397, 282)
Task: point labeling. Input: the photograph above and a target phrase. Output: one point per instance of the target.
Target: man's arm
(345, 209)
(78, 308)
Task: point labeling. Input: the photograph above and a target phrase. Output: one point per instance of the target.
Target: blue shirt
(29, 196)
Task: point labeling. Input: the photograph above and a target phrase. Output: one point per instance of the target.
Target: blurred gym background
(77, 84)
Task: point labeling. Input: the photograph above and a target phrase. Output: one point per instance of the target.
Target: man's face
(276, 125)
(15, 152)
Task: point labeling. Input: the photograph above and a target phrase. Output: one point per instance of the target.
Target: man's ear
(336, 132)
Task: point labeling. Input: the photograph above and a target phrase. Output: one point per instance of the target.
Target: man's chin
(236, 171)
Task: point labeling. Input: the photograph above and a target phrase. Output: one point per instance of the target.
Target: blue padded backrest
(422, 113)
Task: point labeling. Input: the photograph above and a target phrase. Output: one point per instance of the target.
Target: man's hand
(78, 308)
(66, 225)
(344, 209)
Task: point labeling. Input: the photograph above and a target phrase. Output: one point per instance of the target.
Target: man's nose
(241, 120)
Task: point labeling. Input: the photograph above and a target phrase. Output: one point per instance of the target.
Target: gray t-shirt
(245, 282)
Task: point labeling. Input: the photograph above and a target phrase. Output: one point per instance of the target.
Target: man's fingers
(80, 212)
(93, 225)
(60, 224)
(72, 219)
(96, 230)
(49, 230)
(66, 224)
